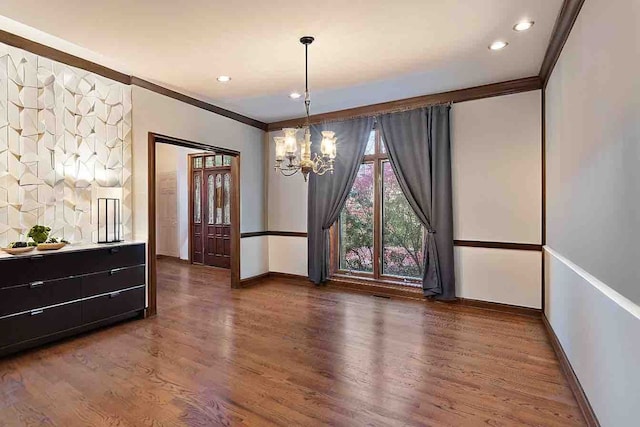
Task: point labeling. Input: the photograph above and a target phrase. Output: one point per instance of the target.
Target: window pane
(210, 193)
(383, 147)
(219, 198)
(197, 162)
(402, 233)
(371, 143)
(356, 224)
(227, 206)
(197, 197)
(219, 160)
(227, 160)
(208, 162)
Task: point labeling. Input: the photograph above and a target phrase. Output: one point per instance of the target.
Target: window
(378, 236)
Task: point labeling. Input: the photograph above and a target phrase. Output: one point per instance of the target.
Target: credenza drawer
(112, 280)
(108, 258)
(38, 294)
(26, 269)
(40, 323)
(113, 304)
(36, 267)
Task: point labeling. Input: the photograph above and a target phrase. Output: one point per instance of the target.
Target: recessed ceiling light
(294, 95)
(224, 79)
(497, 45)
(523, 25)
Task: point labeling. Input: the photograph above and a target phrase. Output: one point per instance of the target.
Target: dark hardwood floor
(281, 354)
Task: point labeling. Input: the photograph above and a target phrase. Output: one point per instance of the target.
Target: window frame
(377, 159)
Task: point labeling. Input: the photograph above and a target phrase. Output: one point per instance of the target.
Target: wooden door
(211, 198)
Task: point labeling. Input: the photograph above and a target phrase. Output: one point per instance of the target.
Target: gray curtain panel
(419, 147)
(328, 193)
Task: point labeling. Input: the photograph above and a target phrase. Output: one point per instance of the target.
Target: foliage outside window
(378, 234)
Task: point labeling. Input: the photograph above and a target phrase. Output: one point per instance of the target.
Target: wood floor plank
(285, 353)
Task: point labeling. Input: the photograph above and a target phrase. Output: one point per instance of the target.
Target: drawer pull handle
(36, 284)
(114, 250)
(36, 312)
(114, 294)
(37, 257)
(114, 271)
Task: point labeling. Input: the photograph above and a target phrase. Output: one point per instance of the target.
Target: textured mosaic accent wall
(65, 137)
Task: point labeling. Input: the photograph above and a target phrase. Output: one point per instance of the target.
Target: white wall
(496, 146)
(288, 255)
(497, 168)
(172, 203)
(499, 275)
(593, 149)
(160, 114)
(287, 205)
(254, 256)
(593, 206)
(167, 201)
(599, 330)
(496, 151)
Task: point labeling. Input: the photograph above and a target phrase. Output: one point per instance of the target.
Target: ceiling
(366, 51)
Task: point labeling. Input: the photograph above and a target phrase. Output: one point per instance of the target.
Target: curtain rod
(379, 113)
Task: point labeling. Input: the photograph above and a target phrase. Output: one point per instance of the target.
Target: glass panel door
(197, 199)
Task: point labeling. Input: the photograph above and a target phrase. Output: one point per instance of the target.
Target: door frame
(190, 195)
(153, 139)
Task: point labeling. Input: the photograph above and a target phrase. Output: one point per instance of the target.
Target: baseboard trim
(172, 258)
(572, 379)
(497, 306)
(387, 290)
(289, 276)
(253, 280)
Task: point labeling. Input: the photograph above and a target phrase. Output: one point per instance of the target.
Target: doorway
(229, 236)
(210, 192)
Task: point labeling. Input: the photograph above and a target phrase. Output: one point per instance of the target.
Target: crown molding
(468, 94)
(63, 57)
(197, 103)
(75, 61)
(561, 30)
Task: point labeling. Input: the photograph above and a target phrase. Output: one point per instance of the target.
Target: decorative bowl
(50, 246)
(18, 251)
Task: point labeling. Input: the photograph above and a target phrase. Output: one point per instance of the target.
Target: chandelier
(290, 160)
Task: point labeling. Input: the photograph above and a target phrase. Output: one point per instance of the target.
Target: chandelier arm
(290, 172)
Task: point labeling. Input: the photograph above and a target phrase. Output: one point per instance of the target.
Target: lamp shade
(280, 148)
(290, 142)
(328, 145)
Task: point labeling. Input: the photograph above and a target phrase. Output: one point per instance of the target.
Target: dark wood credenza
(45, 296)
